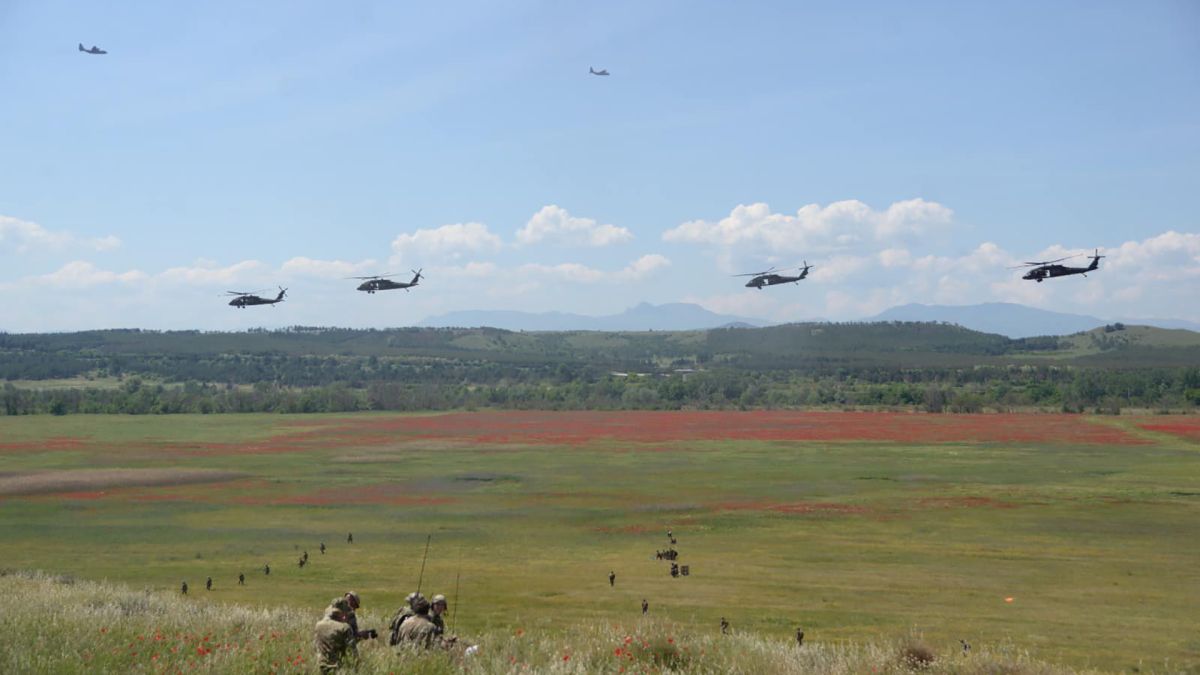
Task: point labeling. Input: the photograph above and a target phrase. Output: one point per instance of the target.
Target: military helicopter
(1049, 268)
(249, 298)
(603, 72)
(381, 282)
(93, 50)
(772, 277)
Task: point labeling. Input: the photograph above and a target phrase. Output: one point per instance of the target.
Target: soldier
(322, 548)
(334, 638)
(724, 626)
(354, 603)
(241, 579)
(612, 578)
(674, 569)
(267, 569)
(398, 620)
(966, 647)
(645, 607)
(302, 561)
(418, 630)
(306, 556)
(799, 637)
(183, 588)
(208, 584)
(350, 538)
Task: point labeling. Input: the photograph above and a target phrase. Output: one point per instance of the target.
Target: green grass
(1097, 545)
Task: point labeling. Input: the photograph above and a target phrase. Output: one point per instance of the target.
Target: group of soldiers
(266, 569)
(419, 624)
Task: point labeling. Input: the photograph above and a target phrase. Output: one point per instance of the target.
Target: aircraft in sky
(381, 282)
(244, 298)
(1048, 269)
(772, 277)
(603, 71)
(93, 50)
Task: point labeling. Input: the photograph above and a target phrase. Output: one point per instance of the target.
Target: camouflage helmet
(420, 604)
(437, 598)
(352, 598)
(412, 598)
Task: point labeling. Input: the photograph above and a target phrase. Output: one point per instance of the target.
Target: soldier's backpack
(394, 626)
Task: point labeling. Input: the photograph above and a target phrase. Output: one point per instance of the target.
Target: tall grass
(54, 624)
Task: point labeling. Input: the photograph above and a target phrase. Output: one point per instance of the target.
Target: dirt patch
(390, 494)
(1188, 428)
(46, 444)
(965, 503)
(93, 480)
(794, 507)
(578, 427)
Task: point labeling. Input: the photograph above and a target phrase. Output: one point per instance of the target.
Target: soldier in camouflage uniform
(398, 620)
(334, 638)
(419, 630)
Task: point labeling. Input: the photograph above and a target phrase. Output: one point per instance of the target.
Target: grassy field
(1074, 538)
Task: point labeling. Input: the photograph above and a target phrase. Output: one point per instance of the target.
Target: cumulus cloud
(80, 273)
(644, 267)
(327, 269)
(23, 236)
(207, 272)
(446, 242)
(814, 227)
(554, 224)
(575, 272)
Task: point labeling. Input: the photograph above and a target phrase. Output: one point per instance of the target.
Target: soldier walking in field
(724, 626)
(799, 637)
(267, 569)
(183, 588)
(241, 579)
(349, 537)
(302, 562)
(612, 578)
(645, 607)
(208, 584)
(322, 548)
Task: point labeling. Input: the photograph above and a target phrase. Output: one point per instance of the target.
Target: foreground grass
(61, 625)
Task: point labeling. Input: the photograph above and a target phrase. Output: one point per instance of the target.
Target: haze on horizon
(910, 152)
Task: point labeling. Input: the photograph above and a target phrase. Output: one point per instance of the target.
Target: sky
(911, 152)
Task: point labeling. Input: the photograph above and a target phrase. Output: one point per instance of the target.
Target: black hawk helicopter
(1050, 269)
(381, 282)
(772, 277)
(603, 72)
(93, 50)
(243, 298)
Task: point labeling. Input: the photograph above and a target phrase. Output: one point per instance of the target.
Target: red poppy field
(851, 524)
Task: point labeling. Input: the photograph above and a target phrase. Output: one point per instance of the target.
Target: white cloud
(210, 272)
(814, 228)
(554, 224)
(445, 242)
(80, 273)
(837, 268)
(644, 267)
(574, 272)
(327, 269)
(23, 236)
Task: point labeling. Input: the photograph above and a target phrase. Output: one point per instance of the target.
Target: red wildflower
(566, 657)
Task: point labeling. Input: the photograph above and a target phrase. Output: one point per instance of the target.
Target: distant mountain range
(1013, 320)
(673, 316)
(1003, 318)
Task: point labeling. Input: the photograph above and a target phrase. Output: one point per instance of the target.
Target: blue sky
(911, 151)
